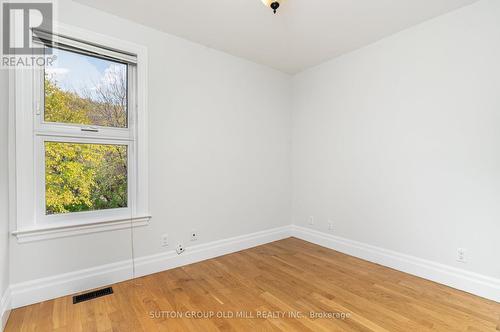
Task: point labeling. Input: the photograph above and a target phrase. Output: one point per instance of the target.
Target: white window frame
(29, 131)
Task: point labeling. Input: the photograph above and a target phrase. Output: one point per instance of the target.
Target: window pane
(85, 177)
(86, 90)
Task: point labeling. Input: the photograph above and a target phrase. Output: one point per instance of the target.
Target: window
(85, 90)
(87, 134)
(85, 177)
(85, 96)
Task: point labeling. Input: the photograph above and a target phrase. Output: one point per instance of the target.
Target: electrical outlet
(462, 255)
(180, 249)
(164, 240)
(194, 236)
(311, 220)
(330, 225)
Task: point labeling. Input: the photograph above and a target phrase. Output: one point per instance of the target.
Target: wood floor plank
(288, 285)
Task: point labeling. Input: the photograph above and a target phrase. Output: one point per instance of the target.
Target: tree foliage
(80, 176)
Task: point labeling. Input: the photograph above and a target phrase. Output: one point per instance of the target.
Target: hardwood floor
(276, 286)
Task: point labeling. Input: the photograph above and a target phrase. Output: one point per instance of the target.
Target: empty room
(249, 165)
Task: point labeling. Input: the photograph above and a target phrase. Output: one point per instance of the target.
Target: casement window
(83, 117)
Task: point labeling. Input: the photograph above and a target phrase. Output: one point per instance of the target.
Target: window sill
(47, 233)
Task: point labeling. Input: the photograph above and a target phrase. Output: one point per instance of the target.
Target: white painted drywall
(219, 152)
(303, 33)
(398, 143)
(4, 188)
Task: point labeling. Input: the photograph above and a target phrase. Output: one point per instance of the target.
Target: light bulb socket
(275, 5)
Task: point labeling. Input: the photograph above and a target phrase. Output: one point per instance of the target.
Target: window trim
(26, 133)
(59, 231)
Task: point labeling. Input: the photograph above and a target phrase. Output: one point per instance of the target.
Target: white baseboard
(39, 290)
(470, 282)
(5, 305)
(43, 289)
(161, 262)
(35, 291)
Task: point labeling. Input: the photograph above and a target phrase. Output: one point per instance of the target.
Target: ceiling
(304, 33)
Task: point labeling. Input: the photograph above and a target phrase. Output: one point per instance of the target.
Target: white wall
(219, 152)
(4, 200)
(398, 143)
(4, 196)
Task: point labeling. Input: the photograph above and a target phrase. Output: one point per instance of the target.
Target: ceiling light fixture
(274, 4)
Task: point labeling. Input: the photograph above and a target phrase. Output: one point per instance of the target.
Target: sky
(76, 72)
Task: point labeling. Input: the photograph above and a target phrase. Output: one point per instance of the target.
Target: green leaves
(84, 177)
(65, 107)
(78, 176)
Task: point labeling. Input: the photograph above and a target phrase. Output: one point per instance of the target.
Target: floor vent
(92, 295)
